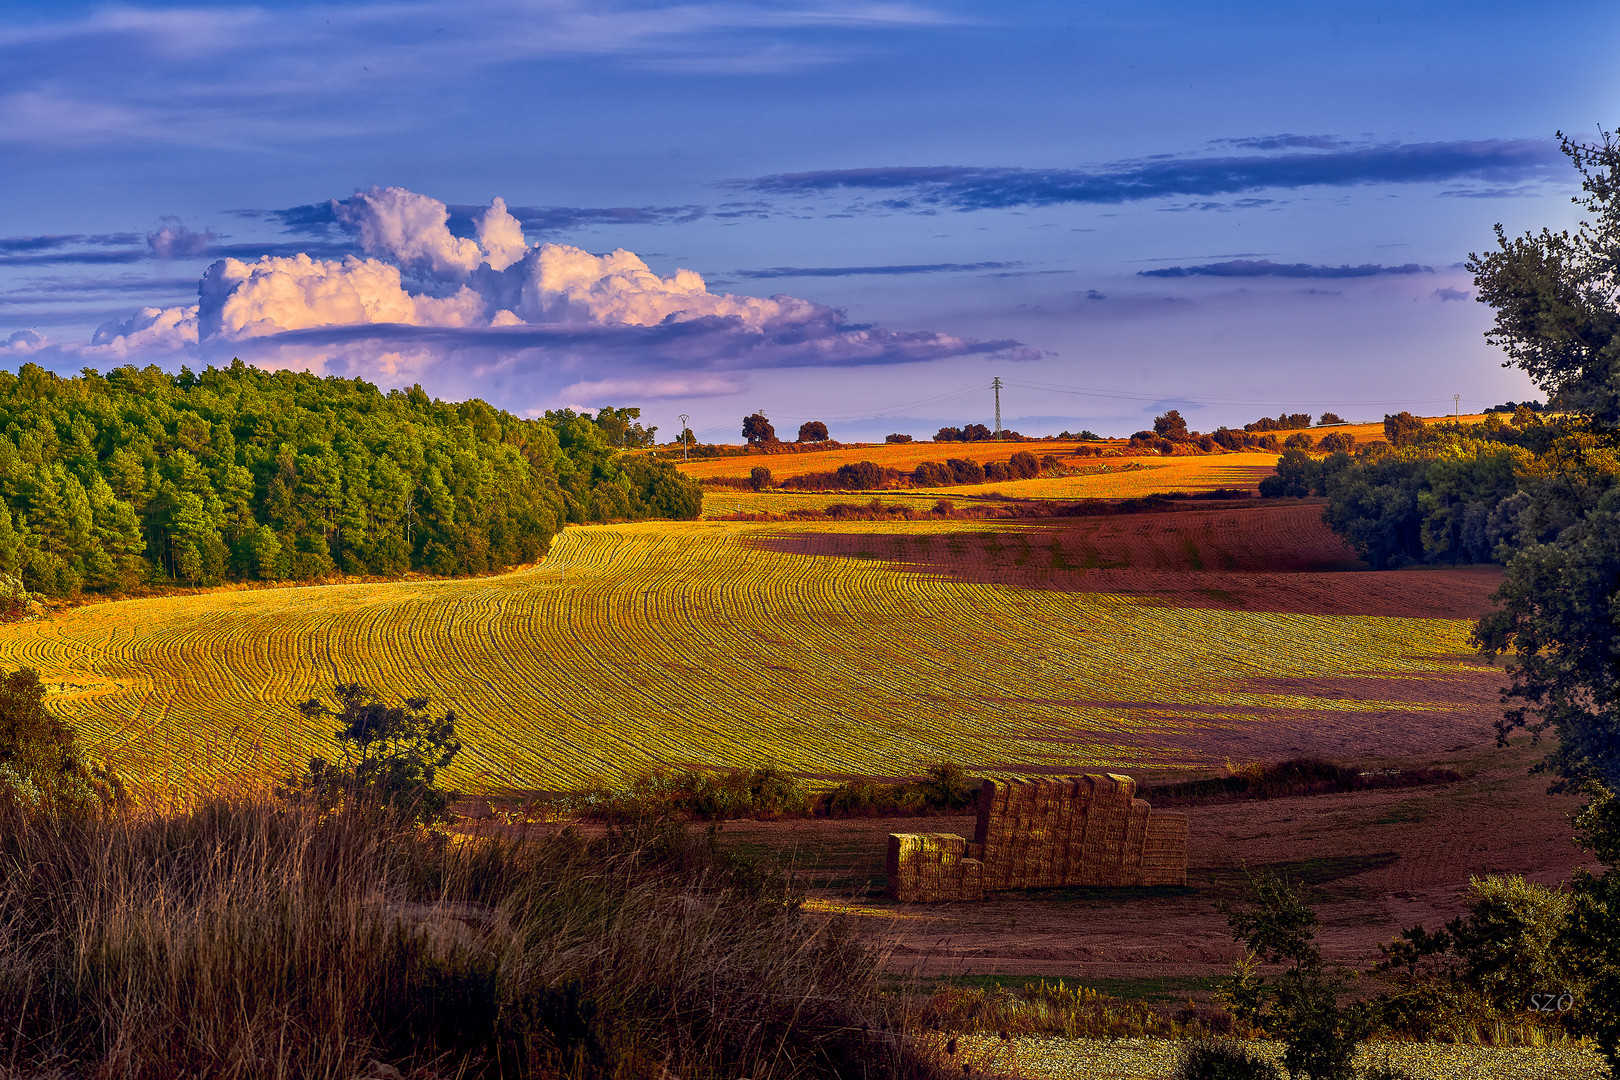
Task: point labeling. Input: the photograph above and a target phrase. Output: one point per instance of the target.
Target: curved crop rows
(739, 643)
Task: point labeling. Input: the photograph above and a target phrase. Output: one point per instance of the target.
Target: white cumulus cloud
(162, 329)
(242, 299)
(493, 316)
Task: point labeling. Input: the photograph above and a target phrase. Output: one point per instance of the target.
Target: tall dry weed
(247, 938)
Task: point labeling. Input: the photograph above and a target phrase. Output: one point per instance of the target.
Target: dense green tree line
(113, 482)
(1455, 493)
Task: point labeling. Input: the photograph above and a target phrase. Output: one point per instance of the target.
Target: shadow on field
(1271, 557)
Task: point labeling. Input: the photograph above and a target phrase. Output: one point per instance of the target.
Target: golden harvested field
(889, 455)
(1112, 478)
(910, 455)
(831, 649)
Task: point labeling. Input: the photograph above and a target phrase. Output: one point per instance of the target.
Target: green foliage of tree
(112, 482)
(1298, 475)
(1336, 441)
(41, 763)
(757, 430)
(859, 476)
(1556, 295)
(812, 431)
(1556, 616)
(1328, 418)
(1283, 422)
(1301, 1005)
(1456, 494)
(1593, 938)
(1170, 425)
(1402, 429)
(1299, 440)
(391, 756)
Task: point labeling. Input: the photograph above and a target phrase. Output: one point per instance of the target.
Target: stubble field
(1108, 478)
(1162, 640)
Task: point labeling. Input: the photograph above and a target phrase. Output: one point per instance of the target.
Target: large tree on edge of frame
(1557, 302)
(1557, 294)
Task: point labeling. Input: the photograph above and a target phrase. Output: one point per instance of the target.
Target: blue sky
(1232, 208)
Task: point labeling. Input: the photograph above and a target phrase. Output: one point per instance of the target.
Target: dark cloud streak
(854, 271)
(320, 220)
(1251, 268)
(950, 187)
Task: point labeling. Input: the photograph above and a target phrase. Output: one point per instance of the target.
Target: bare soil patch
(1377, 862)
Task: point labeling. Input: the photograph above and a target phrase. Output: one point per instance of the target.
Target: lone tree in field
(391, 756)
(1171, 426)
(813, 431)
(756, 429)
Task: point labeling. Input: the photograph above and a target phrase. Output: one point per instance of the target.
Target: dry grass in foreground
(245, 938)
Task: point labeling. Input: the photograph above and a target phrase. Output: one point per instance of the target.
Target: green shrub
(943, 788)
(1297, 475)
(1301, 1005)
(1045, 1008)
(1288, 779)
(859, 476)
(1215, 1060)
(42, 767)
(391, 757)
(685, 794)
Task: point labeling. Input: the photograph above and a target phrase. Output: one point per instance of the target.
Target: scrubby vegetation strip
(765, 794)
(991, 507)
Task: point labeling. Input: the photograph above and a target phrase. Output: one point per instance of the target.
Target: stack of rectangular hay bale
(926, 867)
(1037, 834)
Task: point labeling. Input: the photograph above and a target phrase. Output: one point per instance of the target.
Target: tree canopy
(757, 429)
(1557, 301)
(111, 482)
(391, 756)
(1557, 294)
